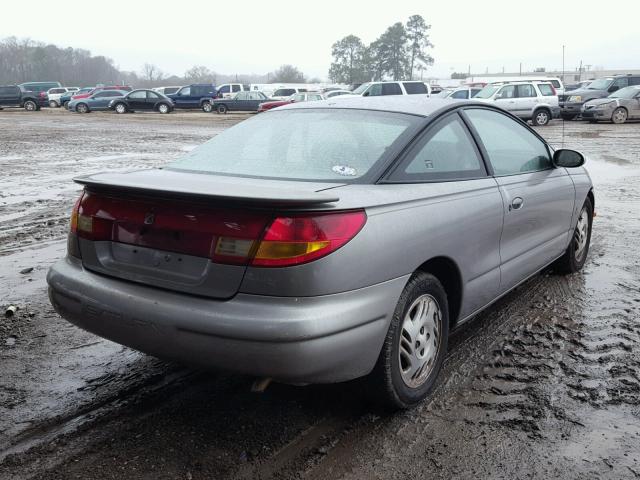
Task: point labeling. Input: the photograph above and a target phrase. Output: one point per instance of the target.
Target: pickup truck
(16, 96)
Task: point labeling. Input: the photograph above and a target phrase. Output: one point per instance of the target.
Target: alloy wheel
(581, 234)
(619, 115)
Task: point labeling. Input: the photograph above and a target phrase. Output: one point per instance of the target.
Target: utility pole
(580, 72)
(563, 64)
(520, 68)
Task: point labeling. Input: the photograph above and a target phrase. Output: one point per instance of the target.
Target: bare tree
(151, 73)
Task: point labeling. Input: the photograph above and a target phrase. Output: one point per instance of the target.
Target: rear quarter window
(546, 90)
(415, 88)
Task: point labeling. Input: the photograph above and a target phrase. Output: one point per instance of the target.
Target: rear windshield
(309, 144)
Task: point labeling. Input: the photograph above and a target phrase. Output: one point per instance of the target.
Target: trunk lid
(162, 228)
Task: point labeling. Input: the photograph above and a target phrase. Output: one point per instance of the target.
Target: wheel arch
(592, 198)
(448, 273)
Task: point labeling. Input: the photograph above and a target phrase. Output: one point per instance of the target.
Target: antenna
(564, 93)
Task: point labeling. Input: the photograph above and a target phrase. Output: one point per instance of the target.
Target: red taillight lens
(230, 236)
(302, 238)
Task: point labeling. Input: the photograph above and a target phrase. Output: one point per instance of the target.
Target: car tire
(406, 371)
(120, 108)
(30, 106)
(541, 117)
(576, 253)
(163, 108)
(53, 104)
(82, 108)
(207, 107)
(65, 105)
(619, 115)
(222, 109)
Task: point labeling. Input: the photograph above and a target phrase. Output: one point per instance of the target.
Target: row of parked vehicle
(535, 99)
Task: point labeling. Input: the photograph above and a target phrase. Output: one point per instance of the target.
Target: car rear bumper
(320, 339)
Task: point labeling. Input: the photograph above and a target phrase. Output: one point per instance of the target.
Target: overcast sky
(257, 37)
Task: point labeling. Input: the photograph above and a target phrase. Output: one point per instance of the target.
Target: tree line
(26, 60)
(396, 54)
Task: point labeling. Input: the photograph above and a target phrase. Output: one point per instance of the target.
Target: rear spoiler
(190, 185)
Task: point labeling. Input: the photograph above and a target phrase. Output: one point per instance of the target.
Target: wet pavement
(545, 384)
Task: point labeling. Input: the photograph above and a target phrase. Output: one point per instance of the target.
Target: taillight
(293, 240)
(228, 236)
(554, 90)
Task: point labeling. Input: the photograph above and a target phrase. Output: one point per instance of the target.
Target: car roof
(411, 104)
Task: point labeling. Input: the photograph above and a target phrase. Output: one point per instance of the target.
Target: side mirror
(568, 158)
(365, 94)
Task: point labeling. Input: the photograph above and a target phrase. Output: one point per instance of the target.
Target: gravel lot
(545, 384)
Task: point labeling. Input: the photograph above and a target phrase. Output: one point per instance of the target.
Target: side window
(545, 89)
(511, 147)
(526, 90)
(140, 95)
(463, 94)
(375, 90)
(415, 88)
(391, 89)
(508, 91)
(618, 84)
(152, 95)
(555, 83)
(235, 88)
(446, 152)
(224, 89)
(185, 92)
(634, 80)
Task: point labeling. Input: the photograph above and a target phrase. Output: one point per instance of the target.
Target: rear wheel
(30, 106)
(207, 107)
(619, 115)
(541, 117)
(575, 255)
(65, 104)
(82, 108)
(53, 104)
(120, 108)
(163, 108)
(222, 109)
(415, 346)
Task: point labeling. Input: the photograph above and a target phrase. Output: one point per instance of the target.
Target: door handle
(516, 203)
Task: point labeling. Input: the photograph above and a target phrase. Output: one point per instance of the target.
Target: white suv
(535, 101)
(375, 89)
(54, 95)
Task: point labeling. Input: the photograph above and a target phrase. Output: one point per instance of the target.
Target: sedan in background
(142, 100)
(296, 97)
(337, 93)
(96, 102)
(620, 106)
(325, 241)
(240, 102)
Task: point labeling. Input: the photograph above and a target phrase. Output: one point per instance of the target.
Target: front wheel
(120, 108)
(541, 118)
(415, 346)
(222, 109)
(207, 107)
(619, 115)
(82, 108)
(575, 255)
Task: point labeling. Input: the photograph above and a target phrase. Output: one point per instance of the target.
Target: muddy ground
(545, 384)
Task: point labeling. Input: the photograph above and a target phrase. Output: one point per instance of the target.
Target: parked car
(55, 94)
(555, 82)
(324, 242)
(535, 101)
(241, 101)
(337, 93)
(16, 96)
(39, 86)
(167, 90)
(79, 95)
(375, 89)
(618, 107)
(65, 98)
(571, 103)
(197, 95)
(285, 92)
(296, 97)
(137, 100)
(576, 86)
(228, 90)
(462, 93)
(96, 102)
